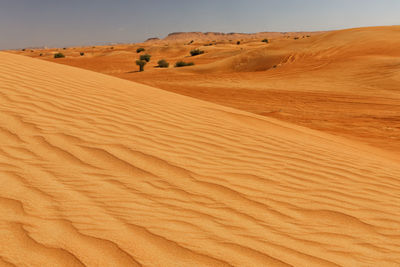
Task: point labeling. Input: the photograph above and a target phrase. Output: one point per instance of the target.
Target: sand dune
(100, 171)
(315, 53)
(342, 82)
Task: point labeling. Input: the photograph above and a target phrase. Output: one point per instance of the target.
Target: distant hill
(219, 36)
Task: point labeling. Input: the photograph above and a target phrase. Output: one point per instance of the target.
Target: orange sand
(344, 82)
(101, 171)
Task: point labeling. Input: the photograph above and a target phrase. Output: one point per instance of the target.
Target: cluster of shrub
(144, 59)
(61, 55)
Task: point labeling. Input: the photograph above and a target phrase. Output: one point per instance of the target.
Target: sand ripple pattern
(98, 171)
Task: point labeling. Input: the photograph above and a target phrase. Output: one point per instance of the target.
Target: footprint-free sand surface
(343, 82)
(100, 171)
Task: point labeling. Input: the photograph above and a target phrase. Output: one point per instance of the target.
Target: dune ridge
(97, 170)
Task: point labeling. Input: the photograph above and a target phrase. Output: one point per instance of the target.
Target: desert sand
(101, 171)
(342, 82)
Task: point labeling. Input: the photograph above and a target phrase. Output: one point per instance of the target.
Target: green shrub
(145, 57)
(141, 64)
(265, 41)
(183, 64)
(59, 55)
(82, 54)
(163, 63)
(141, 49)
(196, 52)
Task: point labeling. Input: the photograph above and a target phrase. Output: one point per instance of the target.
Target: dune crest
(101, 171)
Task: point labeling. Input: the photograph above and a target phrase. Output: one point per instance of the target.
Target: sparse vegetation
(64, 48)
(196, 52)
(141, 49)
(40, 54)
(163, 63)
(296, 38)
(23, 50)
(183, 64)
(146, 57)
(141, 64)
(265, 41)
(59, 55)
(238, 42)
(82, 54)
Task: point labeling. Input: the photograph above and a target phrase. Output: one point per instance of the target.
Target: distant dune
(100, 171)
(219, 36)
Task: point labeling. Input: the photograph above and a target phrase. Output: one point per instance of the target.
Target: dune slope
(342, 82)
(100, 171)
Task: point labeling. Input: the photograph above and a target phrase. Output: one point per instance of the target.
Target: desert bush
(141, 49)
(64, 48)
(23, 50)
(145, 57)
(141, 64)
(40, 55)
(183, 64)
(196, 52)
(82, 54)
(163, 63)
(265, 41)
(238, 42)
(296, 38)
(59, 55)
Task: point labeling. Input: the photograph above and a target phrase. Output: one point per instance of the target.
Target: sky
(54, 23)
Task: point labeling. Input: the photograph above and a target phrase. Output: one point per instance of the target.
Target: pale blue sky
(25, 23)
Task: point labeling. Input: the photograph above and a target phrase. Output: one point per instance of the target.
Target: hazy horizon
(38, 23)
